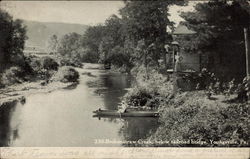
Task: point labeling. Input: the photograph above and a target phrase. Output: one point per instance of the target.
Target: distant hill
(39, 32)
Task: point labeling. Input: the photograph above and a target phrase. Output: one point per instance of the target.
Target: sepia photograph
(124, 74)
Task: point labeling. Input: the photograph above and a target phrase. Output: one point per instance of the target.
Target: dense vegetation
(220, 39)
(211, 114)
(204, 108)
(134, 37)
(12, 38)
(205, 111)
(17, 68)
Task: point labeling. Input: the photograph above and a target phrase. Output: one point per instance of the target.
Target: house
(188, 62)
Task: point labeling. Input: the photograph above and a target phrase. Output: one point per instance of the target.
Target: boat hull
(114, 113)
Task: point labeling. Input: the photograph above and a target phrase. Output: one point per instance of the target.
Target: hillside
(39, 32)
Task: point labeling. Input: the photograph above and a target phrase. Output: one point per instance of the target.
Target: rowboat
(128, 113)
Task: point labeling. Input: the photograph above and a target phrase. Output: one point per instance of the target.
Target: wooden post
(175, 70)
(165, 56)
(165, 60)
(246, 35)
(247, 53)
(146, 63)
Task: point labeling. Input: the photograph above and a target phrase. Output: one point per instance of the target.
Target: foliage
(148, 92)
(207, 81)
(117, 39)
(147, 21)
(221, 39)
(11, 76)
(92, 41)
(12, 38)
(66, 74)
(42, 68)
(190, 116)
(53, 44)
(69, 44)
(49, 63)
(112, 37)
(243, 90)
(120, 58)
(70, 50)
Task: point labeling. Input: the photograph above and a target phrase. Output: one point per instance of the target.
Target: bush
(49, 63)
(243, 90)
(43, 68)
(36, 65)
(12, 75)
(120, 58)
(66, 74)
(189, 117)
(149, 92)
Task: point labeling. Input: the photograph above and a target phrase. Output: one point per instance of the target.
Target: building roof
(183, 30)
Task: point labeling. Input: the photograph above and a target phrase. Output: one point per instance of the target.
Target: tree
(119, 36)
(70, 49)
(112, 36)
(147, 21)
(53, 43)
(12, 39)
(91, 41)
(69, 44)
(220, 38)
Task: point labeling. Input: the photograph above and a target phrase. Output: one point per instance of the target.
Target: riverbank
(45, 115)
(40, 74)
(20, 91)
(190, 118)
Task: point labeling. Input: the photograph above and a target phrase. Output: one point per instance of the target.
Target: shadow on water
(64, 117)
(7, 132)
(134, 128)
(113, 87)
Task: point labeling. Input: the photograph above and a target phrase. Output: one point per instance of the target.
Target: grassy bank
(190, 118)
(195, 120)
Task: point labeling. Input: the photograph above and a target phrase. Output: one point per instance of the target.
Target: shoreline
(18, 92)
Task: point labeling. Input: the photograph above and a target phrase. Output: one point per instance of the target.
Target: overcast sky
(81, 12)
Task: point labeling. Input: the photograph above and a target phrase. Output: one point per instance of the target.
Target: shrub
(35, 64)
(243, 90)
(12, 75)
(120, 58)
(148, 92)
(43, 68)
(49, 63)
(189, 117)
(66, 74)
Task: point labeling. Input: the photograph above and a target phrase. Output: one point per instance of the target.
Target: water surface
(64, 117)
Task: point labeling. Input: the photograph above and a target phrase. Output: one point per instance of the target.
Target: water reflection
(8, 129)
(113, 87)
(64, 117)
(134, 128)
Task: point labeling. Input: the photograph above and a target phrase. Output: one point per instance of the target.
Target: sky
(79, 12)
